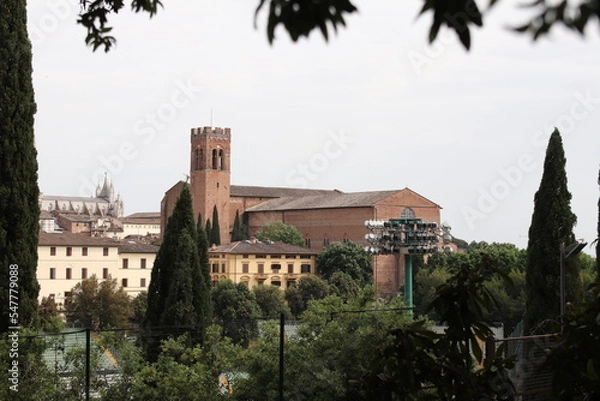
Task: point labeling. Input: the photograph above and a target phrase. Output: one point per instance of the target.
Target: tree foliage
(329, 355)
(575, 362)
(139, 305)
(509, 293)
(281, 232)
(36, 380)
(271, 302)
(236, 311)
(178, 294)
(19, 192)
(343, 285)
(307, 289)
(420, 364)
(299, 18)
(426, 282)
(180, 372)
(347, 257)
(551, 228)
(50, 318)
(507, 286)
(98, 304)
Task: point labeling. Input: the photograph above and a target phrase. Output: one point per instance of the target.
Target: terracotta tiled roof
(78, 217)
(46, 215)
(329, 201)
(70, 239)
(267, 248)
(148, 221)
(276, 192)
(337, 200)
(142, 215)
(134, 247)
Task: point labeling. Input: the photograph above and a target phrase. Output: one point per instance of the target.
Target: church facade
(322, 216)
(105, 203)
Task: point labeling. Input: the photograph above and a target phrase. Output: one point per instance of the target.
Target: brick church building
(322, 216)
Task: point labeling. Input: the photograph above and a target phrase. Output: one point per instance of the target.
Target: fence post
(490, 348)
(281, 365)
(87, 363)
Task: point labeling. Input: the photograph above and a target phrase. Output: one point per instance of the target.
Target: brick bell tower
(210, 175)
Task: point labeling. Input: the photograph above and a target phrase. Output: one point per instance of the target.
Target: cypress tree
(205, 302)
(239, 230)
(177, 290)
(208, 230)
(551, 226)
(235, 232)
(598, 237)
(19, 192)
(179, 300)
(215, 231)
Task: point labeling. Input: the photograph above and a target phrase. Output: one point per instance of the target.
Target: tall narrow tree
(208, 230)
(598, 235)
(215, 232)
(177, 287)
(204, 302)
(19, 192)
(239, 229)
(551, 227)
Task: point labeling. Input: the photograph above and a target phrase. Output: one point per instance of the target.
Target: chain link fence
(88, 360)
(531, 375)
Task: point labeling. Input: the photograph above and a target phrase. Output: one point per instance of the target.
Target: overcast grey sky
(376, 108)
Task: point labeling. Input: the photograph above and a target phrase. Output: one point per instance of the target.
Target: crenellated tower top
(216, 132)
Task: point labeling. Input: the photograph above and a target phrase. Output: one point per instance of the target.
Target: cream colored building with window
(141, 225)
(64, 259)
(257, 263)
(136, 261)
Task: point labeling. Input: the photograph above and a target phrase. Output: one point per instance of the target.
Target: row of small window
(262, 256)
(84, 275)
(84, 270)
(84, 251)
(125, 263)
(275, 268)
(69, 273)
(275, 283)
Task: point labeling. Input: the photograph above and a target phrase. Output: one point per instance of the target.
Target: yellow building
(257, 263)
(64, 259)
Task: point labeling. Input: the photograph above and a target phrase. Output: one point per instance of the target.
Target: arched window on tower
(199, 159)
(220, 161)
(214, 159)
(407, 213)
